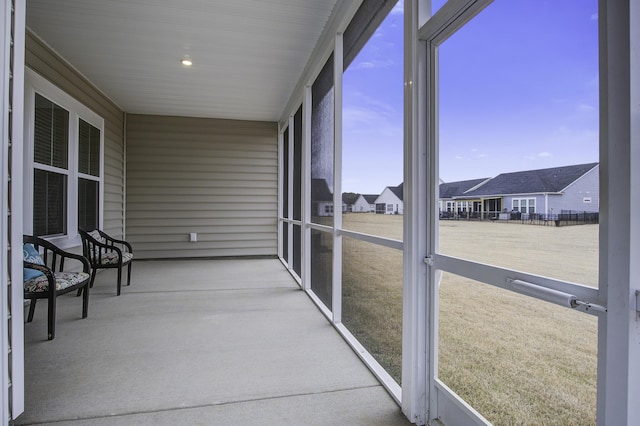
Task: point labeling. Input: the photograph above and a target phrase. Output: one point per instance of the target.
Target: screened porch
(219, 138)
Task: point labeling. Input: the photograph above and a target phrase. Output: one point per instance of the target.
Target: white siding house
(390, 200)
(348, 201)
(361, 205)
(371, 200)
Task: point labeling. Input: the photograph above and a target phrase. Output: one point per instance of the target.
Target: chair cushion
(111, 258)
(30, 254)
(63, 280)
(96, 236)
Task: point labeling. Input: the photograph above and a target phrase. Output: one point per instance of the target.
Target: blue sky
(518, 90)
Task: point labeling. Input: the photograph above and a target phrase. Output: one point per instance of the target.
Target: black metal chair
(105, 252)
(49, 284)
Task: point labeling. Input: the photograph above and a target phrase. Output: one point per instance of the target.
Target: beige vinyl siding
(217, 178)
(40, 58)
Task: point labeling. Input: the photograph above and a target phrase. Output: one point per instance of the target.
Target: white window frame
(35, 83)
(517, 205)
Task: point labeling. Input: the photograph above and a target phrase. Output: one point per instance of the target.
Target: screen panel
(520, 177)
(516, 359)
(372, 300)
(372, 136)
(322, 266)
(322, 146)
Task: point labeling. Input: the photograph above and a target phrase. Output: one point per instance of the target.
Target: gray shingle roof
(532, 181)
(455, 189)
(397, 190)
(349, 197)
(371, 198)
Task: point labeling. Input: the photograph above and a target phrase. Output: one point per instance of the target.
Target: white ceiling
(247, 54)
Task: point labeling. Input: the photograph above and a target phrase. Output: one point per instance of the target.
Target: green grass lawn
(517, 360)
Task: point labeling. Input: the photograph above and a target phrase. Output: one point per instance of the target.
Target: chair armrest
(93, 249)
(112, 240)
(86, 266)
(46, 245)
(42, 268)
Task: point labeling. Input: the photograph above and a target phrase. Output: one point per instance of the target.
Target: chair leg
(129, 274)
(32, 309)
(93, 276)
(119, 280)
(51, 318)
(85, 301)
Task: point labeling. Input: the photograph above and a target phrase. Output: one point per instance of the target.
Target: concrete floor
(198, 342)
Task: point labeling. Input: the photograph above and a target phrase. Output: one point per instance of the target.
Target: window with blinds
(51, 167)
(51, 134)
(88, 202)
(89, 174)
(89, 149)
(65, 167)
(49, 203)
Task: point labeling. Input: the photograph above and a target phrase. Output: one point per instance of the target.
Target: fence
(569, 217)
(564, 218)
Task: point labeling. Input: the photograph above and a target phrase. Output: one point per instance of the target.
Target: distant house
(321, 198)
(543, 191)
(348, 201)
(361, 205)
(357, 203)
(371, 200)
(390, 200)
(449, 191)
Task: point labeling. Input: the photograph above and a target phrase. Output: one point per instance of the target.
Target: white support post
(305, 231)
(619, 332)
(12, 36)
(415, 328)
(5, 261)
(281, 172)
(336, 282)
(17, 192)
(290, 197)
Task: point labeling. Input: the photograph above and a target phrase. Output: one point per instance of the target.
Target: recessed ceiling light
(187, 62)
